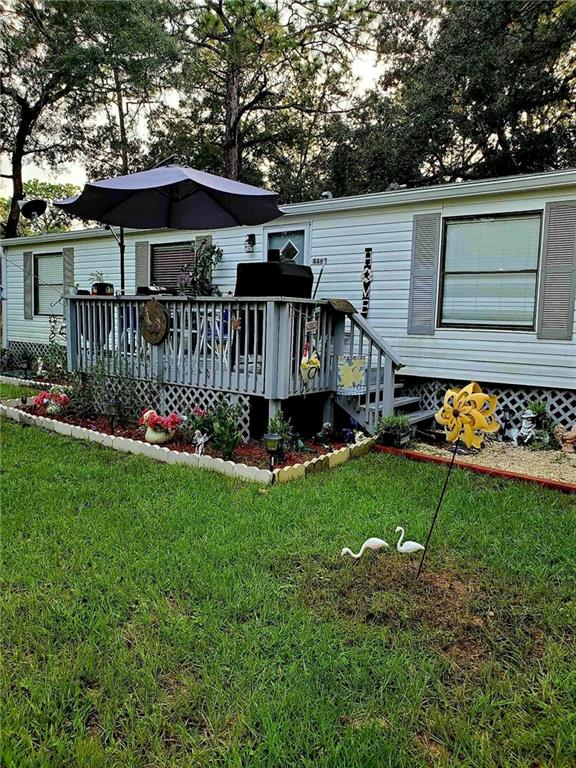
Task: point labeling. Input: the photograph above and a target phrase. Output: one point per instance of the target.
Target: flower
(467, 414)
(41, 399)
(159, 423)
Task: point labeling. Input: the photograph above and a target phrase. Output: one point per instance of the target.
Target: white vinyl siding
(514, 356)
(490, 272)
(49, 283)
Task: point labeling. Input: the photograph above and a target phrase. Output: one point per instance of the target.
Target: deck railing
(249, 346)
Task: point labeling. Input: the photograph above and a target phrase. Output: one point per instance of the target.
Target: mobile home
(472, 280)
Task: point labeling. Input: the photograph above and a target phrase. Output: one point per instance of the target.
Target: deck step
(400, 402)
(417, 416)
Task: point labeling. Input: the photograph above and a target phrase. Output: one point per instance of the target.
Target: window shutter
(558, 275)
(28, 268)
(68, 267)
(424, 274)
(142, 264)
(168, 261)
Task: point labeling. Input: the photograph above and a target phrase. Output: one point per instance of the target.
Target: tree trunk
(232, 142)
(121, 121)
(24, 128)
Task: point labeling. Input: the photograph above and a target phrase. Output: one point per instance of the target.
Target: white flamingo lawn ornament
(372, 543)
(408, 546)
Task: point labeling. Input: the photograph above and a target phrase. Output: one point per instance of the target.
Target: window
(286, 246)
(48, 283)
(489, 271)
(168, 261)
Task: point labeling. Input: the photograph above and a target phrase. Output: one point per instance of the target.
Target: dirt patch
(468, 622)
(552, 465)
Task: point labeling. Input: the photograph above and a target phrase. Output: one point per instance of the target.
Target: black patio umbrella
(173, 197)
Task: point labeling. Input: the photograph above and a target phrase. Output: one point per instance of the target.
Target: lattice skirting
(167, 398)
(561, 403)
(30, 349)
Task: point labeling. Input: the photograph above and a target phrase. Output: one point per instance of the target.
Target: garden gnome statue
(199, 441)
(527, 428)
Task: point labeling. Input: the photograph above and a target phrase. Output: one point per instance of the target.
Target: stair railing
(359, 338)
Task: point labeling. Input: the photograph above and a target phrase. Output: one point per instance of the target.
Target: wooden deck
(243, 346)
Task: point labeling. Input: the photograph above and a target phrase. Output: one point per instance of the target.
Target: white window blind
(168, 262)
(490, 271)
(49, 284)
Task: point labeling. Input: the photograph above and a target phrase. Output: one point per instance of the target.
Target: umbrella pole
(122, 246)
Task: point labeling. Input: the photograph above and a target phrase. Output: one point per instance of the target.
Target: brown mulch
(551, 465)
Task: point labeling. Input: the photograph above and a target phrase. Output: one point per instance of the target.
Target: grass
(13, 391)
(158, 616)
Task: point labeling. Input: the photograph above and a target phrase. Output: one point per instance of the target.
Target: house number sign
(153, 322)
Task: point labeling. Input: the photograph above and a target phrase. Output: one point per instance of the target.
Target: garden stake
(467, 414)
(437, 509)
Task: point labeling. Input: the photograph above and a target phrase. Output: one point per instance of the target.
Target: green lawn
(159, 616)
(12, 391)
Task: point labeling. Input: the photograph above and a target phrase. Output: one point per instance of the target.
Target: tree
(259, 81)
(471, 89)
(54, 220)
(63, 63)
(42, 64)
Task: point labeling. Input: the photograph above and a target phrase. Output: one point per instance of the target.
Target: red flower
(41, 398)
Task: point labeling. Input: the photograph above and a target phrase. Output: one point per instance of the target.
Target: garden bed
(129, 439)
(552, 469)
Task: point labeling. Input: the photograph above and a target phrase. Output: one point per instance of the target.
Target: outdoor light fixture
(111, 408)
(272, 444)
(249, 243)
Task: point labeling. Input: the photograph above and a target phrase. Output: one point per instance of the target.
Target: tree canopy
(264, 91)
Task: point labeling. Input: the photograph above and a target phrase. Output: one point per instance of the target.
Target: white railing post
(283, 346)
(388, 393)
(271, 351)
(71, 334)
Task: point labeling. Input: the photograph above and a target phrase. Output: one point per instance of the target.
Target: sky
(364, 68)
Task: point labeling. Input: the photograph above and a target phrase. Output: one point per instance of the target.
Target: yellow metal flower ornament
(467, 415)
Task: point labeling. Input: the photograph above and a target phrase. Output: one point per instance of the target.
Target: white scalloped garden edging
(162, 453)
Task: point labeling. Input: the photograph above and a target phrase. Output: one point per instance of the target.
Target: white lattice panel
(561, 403)
(167, 398)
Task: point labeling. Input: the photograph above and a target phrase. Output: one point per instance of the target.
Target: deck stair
(383, 394)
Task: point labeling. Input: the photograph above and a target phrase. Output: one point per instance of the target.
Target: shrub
(225, 433)
(395, 424)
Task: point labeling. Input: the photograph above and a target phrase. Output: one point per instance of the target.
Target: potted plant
(395, 430)
(99, 285)
(159, 429)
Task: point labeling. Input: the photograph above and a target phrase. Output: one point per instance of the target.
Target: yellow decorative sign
(351, 375)
(467, 414)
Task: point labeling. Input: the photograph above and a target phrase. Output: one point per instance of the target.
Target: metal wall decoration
(153, 320)
(351, 375)
(367, 276)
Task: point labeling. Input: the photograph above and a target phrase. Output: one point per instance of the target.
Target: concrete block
(101, 438)
(323, 462)
(205, 462)
(28, 419)
(12, 413)
(61, 428)
(283, 475)
(298, 471)
(264, 476)
(361, 448)
(338, 457)
(240, 470)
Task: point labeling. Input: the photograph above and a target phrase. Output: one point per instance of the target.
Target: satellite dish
(32, 209)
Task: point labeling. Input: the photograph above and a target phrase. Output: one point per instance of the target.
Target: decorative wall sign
(351, 375)
(367, 276)
(153, 320)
